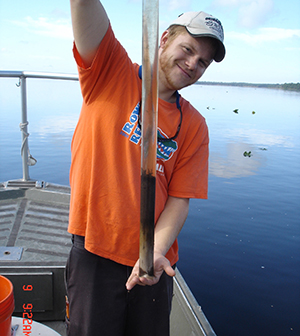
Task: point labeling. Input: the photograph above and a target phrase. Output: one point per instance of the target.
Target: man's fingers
(170, 271)
(133, 280)
(162, 264)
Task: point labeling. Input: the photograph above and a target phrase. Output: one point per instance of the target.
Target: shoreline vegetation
(285, 86)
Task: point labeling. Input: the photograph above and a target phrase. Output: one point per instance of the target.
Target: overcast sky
(262, 37)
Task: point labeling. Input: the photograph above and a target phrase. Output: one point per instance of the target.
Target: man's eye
(203, 63)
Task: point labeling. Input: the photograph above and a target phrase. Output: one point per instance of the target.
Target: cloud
(60, 28)
(234, 163)
(230, 2)
(178, 4)
(58, 13)
(265, 35)
(170, 5)
(255, 13)
(262, 138)
(251, 13)
(60, 125)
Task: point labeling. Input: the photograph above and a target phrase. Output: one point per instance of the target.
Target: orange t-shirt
(105, 175)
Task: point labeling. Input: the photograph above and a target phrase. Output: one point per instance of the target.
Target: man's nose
(192, 62)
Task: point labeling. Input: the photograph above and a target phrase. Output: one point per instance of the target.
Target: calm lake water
(240, 249)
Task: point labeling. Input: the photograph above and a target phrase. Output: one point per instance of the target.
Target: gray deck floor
(36, 221)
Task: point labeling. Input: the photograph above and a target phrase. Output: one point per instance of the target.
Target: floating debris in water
(263, 148)
(253, 112)
(247, 154)
(236, 111)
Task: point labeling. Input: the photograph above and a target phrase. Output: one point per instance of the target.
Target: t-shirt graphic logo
(165, 149)
(132, 124)
(132, 131)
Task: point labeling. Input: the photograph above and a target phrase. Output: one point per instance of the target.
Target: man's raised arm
(90, 23)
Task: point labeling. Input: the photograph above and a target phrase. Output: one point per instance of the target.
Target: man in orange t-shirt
(104, 289)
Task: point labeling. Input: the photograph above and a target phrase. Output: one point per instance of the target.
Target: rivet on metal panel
(12, 253)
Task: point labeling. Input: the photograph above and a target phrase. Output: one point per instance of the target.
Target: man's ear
(164, 38)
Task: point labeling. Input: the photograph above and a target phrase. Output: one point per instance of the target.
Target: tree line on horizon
(285, 86)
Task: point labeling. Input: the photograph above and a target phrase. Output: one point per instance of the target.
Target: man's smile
(184, 71)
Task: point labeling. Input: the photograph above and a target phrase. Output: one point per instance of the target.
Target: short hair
(174, 31)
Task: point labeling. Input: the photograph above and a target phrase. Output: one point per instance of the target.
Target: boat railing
(27, 159)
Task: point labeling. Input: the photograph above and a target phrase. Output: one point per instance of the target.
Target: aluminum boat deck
(34, 246)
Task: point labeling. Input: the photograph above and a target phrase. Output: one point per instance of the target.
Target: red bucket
(7, 306)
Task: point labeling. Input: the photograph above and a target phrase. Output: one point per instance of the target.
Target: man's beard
(166, 66)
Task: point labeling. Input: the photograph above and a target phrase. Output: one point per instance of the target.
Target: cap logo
(215, 24)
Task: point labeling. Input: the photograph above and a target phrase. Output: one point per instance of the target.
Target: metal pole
(23, 126)
(149, 134)
(27, 159)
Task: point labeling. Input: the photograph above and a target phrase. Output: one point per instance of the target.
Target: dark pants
(100, 304)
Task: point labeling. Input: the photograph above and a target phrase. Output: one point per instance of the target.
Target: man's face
(184, 60)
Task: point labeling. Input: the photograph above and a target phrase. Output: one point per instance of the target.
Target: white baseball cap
(200, 24)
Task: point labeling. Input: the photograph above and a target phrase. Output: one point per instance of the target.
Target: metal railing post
(27, 159)
(24, 123)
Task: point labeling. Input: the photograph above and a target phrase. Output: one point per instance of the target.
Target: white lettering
(160, 168)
